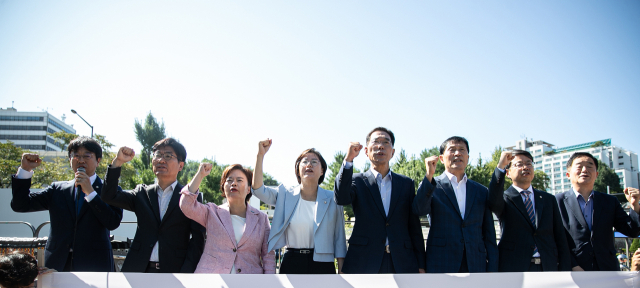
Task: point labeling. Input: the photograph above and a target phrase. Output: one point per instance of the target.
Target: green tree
(411, 167)
(634, 246)
(9, 163)
(148, 133)
(541, 180)
(607, 177)
(597, 144)
(63, 138)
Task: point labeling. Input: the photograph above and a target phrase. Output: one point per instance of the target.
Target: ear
(441, 159)
(393, 152)
(99, 160)
(507, 173)
(181, 166)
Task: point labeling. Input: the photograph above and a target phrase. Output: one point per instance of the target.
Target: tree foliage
(148, 133)
(607, 177)
(9, 163)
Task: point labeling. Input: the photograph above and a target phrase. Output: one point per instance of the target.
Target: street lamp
(85, 121)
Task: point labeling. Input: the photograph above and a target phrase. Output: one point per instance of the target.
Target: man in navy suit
(590, 216)
(386, 237)
(80, 220)
(462, 237)
(533, 238)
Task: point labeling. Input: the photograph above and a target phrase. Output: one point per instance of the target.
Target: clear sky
(223, 75)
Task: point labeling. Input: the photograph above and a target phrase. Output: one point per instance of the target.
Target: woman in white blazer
(306, 220)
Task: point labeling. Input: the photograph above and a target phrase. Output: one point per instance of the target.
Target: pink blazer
(250, 255)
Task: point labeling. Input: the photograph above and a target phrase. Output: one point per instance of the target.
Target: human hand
(30, 161)
(353, 151)
(83, 180)
(577, 268)
(430, 164)
(635, 261)
(263, 146)
(125, 154)
(505, 159)
(204, 169)
(633, 195)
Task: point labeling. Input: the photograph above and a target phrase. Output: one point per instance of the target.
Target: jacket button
(387, 223)
(535, 234)
(234, 249)
(239, 270)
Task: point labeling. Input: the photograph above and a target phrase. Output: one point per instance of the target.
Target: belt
(154, 265)
(300, 251)
(386, 249)
(536, 260)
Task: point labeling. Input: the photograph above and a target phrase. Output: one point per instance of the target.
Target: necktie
(532, 215)
(79, 199)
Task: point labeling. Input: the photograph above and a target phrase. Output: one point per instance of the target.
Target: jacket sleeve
(340, 240)
(268, 195)
(564, 254)
(344, 189)
(496, 192)
(192, 208)
(109, 216)
(196, 244)
(415, 232)
(627, 224)
(24, 200)
(489, 237)
(113, 195)
(422, 201)
(268, 257)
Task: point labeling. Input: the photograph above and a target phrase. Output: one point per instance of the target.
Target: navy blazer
(449, 234)
(372, 227)
(596, 246)
(87, 234)
(181, 239)
(520, 236)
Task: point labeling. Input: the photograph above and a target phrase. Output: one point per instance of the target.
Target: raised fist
(430, 164)
(263, 146)
(633, 195)
(204, 169)
(125, 154)
(354, 151)
(30, 161)
(505, 159)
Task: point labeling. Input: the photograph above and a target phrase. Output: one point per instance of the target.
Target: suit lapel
(85, 206)
(290, 203)
(225, 218)
(322, 203)
(152, 194)
(448, 190)
(515, 198)
(249, 226)
(374, 191)
(175, 198)
(470, 199)
(396, 190)
(571, 202)
(539, 205)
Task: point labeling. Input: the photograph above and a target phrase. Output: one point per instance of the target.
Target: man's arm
(415, 232)
(196, 245)
(564, 254)
(113, 195)
(24, 200)
(422, 202)
(109, 216)
(628, 224)
(495, 201)
(344, 190)
(489, 237)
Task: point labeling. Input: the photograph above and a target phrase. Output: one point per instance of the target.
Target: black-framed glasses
(521, 165)
(79, 157)
(166, 156)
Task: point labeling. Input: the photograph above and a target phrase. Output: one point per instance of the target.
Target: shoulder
(476, 185)
(257, 212)
(560, 196)
(607, 197)
(400, 177)
(544, 194)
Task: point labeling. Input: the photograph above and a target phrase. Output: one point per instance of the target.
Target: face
(379, 149)
(583, 171)
(165, 163)
(521, 170)
(455, 156)
(84, 158)
(236, 188)
(310, 167)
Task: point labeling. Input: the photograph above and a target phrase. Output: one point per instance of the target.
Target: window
(566, 156)
(557, 188)
(537, 157)
(556, 169)
(32, 147)
(21, 118)
(596, 156)
(547, 171)
(556, 175)
(556, 158)
(620, 157)
(547, 165)
(59, 126)
(15, 127)
(621, 163)
(547, 160)
(557, 182)
(567, 186)
(564, 163)
(556, 164)
(22, 137)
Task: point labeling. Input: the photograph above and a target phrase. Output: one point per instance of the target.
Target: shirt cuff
(23, 174)
(348, 165)
(90, 196)
(501, 170)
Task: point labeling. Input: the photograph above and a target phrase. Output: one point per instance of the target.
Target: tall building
(28, 130)
(553, 161)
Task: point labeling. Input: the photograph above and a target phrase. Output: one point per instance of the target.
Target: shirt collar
(530, 189)
(578, 195)
(453, 178)
(93, 178)
(376, 173)
(173, 186)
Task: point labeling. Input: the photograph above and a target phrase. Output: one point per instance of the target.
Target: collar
(530, 189)
(173, 186)
(453, 178)
(578, 194)
(376, 173)
(93, 177)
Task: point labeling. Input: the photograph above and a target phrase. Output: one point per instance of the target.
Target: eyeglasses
(381, 142)
(305, 162)
(78, 157)
(167, 156)
(521, 165)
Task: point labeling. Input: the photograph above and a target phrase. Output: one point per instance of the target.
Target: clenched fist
(505, 158)
(263, 146)
(633, 195)
(353, 152)
(30, 161)
(125, 154)
(430, 164)
(204, 169)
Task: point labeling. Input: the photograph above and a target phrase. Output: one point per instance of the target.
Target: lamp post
(85, 121)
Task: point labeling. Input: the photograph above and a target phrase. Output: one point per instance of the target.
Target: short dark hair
(247, 172)
(181, 153)
(581, 154)
(17, 269)
(517, 152)
(88, 143)
(454, 139)
(322, 163)
(385, 130)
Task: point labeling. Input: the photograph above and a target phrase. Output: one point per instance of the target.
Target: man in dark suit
(533, 238)
(79, 235)
(386, 237)
(462, 237)
(166, 241)
(590, 216)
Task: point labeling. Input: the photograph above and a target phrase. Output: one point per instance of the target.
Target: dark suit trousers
(387, 264)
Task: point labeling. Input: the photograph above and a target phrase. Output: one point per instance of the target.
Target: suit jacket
(520, 236)
(181, 240)
(250, 255)
(87, 233)
(328, 236)
(596, 245)
(372, 227)
(449, 234)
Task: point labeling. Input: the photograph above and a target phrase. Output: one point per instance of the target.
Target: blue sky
(223, 75)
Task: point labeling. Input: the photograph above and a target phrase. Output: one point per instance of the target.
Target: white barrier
(479, 280)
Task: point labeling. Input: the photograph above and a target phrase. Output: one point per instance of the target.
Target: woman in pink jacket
(237, 233)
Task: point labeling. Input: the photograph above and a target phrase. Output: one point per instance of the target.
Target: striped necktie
(532, 215)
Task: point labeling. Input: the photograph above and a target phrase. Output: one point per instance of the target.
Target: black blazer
(87, 234)
(449, 234)
(589, 247)
(372, 227)
(519, 235)
(181, 239)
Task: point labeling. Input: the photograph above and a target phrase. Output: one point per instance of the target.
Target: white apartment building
(28, 130)
(553, 161)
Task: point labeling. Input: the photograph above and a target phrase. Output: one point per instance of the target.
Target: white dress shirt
(163, 200)
(460, 189)
(24, 174)
(299, 233)
(238, 223)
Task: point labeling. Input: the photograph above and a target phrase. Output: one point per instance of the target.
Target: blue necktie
(532, 215)
(79, 199)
